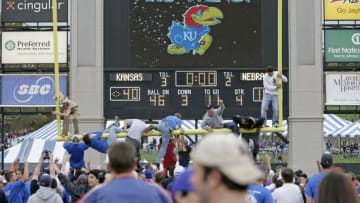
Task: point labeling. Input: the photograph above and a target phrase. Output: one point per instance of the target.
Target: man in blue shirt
(14, 189)
(124, 186)
(166, 126)
(95, 141)
(314, 182)
(258, 193)
(76, 149)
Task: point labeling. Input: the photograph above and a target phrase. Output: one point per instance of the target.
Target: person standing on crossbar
(69, 108)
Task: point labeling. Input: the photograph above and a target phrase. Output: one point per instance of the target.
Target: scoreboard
(151, 94)
(168, 56)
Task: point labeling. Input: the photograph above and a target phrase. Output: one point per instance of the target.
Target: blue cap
(45, 180)
(182, 183)
(31, 173)
(148, 174)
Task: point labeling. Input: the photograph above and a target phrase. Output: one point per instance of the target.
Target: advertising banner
(32, 47)
(30, 90)
(32, 10)
(342, 45)
(342, 9)
(342, 88)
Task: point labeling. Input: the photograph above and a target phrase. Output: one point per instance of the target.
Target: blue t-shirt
(172, 121)
(98, 144)
(313, 185)
(259, 194)
(66, 196)
(358, 190)
(26, 191)
(128, 190)
(14, 191)
(77, 154)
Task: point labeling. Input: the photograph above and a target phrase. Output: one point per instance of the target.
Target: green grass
(337, 158)
(148, 157)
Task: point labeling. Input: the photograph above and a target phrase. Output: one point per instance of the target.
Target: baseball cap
(178, 170)
(76, 140)
(82, 179)
(230, 155)
(326, 159)
(65, 100)
(182, 183)
(31, 173)
(148, 174)
(2, 180)
(45, 180)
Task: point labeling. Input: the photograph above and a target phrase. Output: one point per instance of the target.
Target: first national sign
(32, 10)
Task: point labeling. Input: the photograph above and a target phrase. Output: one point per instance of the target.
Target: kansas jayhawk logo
(193, 35)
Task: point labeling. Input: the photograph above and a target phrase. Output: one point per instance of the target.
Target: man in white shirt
(271, 86)
(289, 192)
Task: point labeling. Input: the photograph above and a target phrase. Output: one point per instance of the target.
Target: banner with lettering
(342, 88)
(30, 90)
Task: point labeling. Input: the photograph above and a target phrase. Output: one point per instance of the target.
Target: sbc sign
(30, 90)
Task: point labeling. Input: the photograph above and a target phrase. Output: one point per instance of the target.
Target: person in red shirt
(169, 158)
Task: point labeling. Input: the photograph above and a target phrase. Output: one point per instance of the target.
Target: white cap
(230, 155)
(178, 170)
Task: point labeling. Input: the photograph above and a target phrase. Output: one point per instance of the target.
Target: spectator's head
(298, 173)
(326, 160)
(270, 70)
(178, 170)
(82, 180)
(87, 138)
(76, 140)
(148, 175)
(96, 177)
(336, 188)
(188, 148)
(2, 182)
(183, 190)
(158, 177)
(210, 110)
(222, 164)
(357, 181)
(45, 180)
(19, 173)
(287, 175)
(278, 170)
(31, 174)
(277, 181)
(122, 158)
(178, 115)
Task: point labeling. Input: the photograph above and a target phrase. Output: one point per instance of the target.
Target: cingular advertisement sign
(32, 10)
(342, 45)
(32, 47)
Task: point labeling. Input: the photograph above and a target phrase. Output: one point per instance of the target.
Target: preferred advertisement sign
(342, 88)
(30, 90)
(32, 47)
(342, 45)
(32, 10)
(342, 9)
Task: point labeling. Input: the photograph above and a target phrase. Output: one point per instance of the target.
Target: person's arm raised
(25, 176)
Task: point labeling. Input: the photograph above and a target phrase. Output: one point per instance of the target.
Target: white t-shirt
(270, 83)
(137, 128)
(287, 193)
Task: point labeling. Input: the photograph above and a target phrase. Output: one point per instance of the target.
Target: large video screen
(188, 33)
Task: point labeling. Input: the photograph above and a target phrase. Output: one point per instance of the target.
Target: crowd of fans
(221, 169)
(11, 137)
